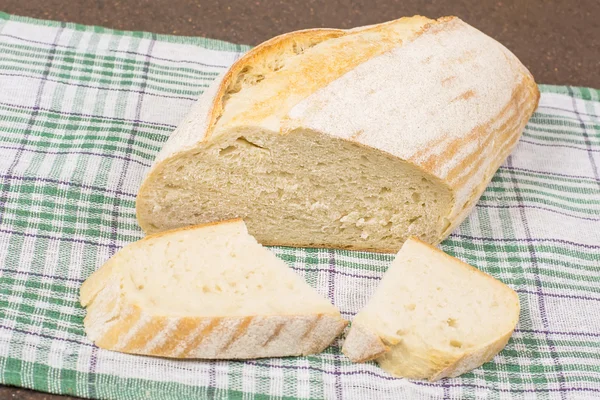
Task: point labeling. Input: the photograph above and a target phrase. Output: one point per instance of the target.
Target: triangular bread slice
(433, 316)
(207, 291)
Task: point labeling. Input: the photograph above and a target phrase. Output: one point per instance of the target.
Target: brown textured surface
(12, 393)
(559, 41)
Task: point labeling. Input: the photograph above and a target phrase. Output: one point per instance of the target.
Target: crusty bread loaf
(362, 137)
(207, 291)
(432, 316)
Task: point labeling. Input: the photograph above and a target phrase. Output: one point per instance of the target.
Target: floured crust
(328, 89)
(134, 331)
(209, 108)
(366, 341)
(458, 124)
(202, 120)
(362, 344)
(473, 359)
(115, 322)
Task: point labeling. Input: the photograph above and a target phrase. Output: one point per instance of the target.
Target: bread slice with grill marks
(361, 137)
(208, 291)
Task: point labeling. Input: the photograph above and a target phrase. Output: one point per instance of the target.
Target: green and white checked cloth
(84, 110)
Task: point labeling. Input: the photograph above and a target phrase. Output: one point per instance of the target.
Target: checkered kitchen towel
(84, 110)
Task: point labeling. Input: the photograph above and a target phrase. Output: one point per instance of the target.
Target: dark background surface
(559, 41)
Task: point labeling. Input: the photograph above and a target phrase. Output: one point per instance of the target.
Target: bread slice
(208, 291)
(362, 137)
(432, 316)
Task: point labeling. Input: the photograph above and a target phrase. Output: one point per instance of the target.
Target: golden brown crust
(115, 321)
(275, 333)
(472, 359)
(503, 137)
(327, 246)
(443, 165)
(117, 324)
(270, 46)
(362, 345)
(311, 326)
(270, 243)
(205, 333)
(190, 227)
(351, 49)
(183, 328)
(321, 74)
(134, 333)
(240, 331)
(127, 318)
(484, 135)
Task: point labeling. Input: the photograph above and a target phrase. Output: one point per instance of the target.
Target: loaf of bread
(432, 316)
(209, 292)
(361, 137)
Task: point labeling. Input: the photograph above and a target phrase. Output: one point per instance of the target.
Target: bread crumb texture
(350, 139)
(438, 316)
(205, 292)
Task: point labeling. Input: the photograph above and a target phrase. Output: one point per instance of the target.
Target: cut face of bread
(205, 292)
(303, 189)
(433, 316)
(360, 137)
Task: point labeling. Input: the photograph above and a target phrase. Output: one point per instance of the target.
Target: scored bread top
(437, 93)
(267, 81)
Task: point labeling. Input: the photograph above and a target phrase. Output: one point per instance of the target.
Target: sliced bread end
(208, 291)
(433, 316)
(363, 345)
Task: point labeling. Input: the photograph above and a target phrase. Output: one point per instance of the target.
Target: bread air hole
(239, 80)
(227, 151)
(298, 48)
(251, 80)
(410, 221)
(456, 343)
(275, 65)
(451, 322)
(240, 144)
